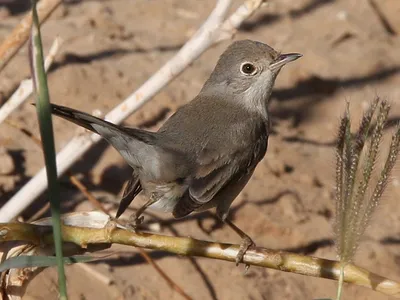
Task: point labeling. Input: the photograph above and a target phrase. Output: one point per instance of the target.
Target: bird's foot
(134, 221)
(245, 245)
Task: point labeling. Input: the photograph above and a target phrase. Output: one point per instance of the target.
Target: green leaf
(46, 132)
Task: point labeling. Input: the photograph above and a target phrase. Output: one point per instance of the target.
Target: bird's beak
(283, 59)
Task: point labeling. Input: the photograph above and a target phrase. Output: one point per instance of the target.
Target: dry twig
(39, 213)
(163, 274)
(26, 86)
(82, 188)
(20, 34)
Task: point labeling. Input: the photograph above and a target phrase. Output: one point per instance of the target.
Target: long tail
(80, 118)
(105, 129)
(131, 143)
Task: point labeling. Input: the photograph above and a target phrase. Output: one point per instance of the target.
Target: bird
(206, 152)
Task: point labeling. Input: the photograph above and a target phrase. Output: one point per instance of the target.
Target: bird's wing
(212, 175)
(216, 171)
(132, 189)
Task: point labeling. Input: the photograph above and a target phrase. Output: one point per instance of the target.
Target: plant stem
(46, 130)
(340, 283)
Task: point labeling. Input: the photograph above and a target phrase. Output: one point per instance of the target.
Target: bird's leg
(136, 218)
(246, 243)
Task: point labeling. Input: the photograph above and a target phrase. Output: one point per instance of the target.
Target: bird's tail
(80, 118)
(131, 143)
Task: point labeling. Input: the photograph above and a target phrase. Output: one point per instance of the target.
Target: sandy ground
(112, 47)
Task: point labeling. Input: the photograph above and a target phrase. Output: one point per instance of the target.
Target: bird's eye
(248, 69)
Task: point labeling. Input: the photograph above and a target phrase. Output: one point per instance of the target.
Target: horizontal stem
(262, 257)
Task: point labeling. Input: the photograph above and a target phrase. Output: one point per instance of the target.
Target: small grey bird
(205, 153)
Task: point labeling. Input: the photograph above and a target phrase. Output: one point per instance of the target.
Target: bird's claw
(135, 221)
(139, 220)
(246, 243)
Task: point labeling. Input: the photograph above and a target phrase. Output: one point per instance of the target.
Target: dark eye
(248, 69)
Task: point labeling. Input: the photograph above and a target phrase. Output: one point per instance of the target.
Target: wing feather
(215, 171)
(132, 189)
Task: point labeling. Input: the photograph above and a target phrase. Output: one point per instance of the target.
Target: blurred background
(351, 53)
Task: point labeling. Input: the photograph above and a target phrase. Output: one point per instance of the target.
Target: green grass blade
(46, 132)
(41, 261)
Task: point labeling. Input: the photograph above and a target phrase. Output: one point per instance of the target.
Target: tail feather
(93, 124)
(133, 144)
(80, 118)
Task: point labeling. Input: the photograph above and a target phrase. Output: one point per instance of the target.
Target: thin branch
(40, 212)
(262, 257)
(211, 32)
(20, 34)
(81, 187)
(25, 88)
(390, 30)
(37, 141)
(172, 284)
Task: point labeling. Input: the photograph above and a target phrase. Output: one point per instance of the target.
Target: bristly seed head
(353, 207)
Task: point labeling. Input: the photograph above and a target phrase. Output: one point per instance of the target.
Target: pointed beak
(283, 59)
